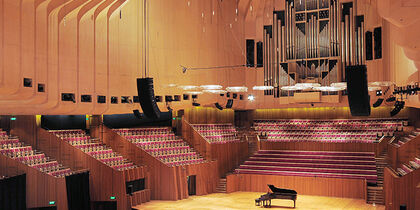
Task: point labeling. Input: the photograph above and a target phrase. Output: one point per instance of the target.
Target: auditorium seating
(406, 138)
(15, 149)
(357, 165)
(406, 168)
(162, 144)
(94, 148)
(217, 133)
(335, 131)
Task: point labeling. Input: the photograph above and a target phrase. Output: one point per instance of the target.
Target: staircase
(221, 187)
(375, 194)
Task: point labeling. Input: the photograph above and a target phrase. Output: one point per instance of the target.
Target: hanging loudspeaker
(357, 89)
(147, 97)
(229, 104)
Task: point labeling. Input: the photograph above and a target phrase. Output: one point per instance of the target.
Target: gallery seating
(335, 131)
(357, 165)
(399, 141)
(15, 149)
(162, 144)
(217, 133)
(406, 168)
(94, 148)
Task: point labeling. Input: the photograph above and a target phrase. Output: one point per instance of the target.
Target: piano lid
(279, 190)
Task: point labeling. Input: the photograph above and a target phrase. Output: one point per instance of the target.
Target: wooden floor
(245, 200)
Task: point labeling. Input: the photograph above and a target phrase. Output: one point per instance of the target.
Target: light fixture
(262, 88)
(237, 89)
(327, 89)
(211, 87)
(188, 87)
(339, 84)
(251, 98)
(374, 88)
(289, 88)
(382, 84)
(215, 91)
(194, 92)
(308, 85)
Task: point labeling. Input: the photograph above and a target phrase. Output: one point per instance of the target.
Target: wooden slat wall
(323, 113)
(316, 146)
(207, 115)
(404, 153)
(417, 195)
(104, 180)
(400, 190)
(40, 187)
(228, 155)
(165, 183)
(335, 187)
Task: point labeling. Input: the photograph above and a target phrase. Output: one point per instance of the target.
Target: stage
(245, 200)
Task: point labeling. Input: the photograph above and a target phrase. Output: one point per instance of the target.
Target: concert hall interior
(209, 104)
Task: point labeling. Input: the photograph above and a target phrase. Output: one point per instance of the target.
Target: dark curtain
(13, 193)
(78, 196)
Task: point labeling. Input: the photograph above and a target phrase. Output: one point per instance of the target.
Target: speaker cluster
(407, 90)
(398, 106)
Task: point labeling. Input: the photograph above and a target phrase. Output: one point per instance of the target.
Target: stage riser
(334, 187)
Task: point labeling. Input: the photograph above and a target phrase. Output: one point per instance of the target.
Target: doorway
(191, 185)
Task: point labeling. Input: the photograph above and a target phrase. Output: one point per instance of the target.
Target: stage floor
(245, 200)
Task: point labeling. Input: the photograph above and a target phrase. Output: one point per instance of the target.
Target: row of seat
(166, 147)
(217, 133)
(337, 121)
(94, 148)
(17, 150)
(357, 165)
(404, 139)
(407, 168)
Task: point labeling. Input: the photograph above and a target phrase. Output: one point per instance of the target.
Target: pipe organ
(312, 41)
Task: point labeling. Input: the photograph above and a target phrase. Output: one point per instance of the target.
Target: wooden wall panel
(25, 128)
(164, 182)
(100, 173)
(317, 146)
(206, 115)
(228, 155)
(334, 187)
(40, 187)
(400, 190)
(404, 153)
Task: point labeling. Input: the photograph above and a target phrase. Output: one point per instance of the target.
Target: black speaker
(229, 104)
(147, 97)
(369, 45)
(260, 55)
(377, 39)
(403, 207)
(378, 102)
(218, 106)
(357, 90)
(250, 53)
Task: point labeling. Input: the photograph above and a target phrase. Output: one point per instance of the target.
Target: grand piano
(276, 193)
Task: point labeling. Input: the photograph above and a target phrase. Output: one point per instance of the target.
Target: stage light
(378, 92)
(251, 98)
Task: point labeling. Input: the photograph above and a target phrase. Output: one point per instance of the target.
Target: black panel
(260, 55)
(68, 97)
(130, 121)
(159, 98)
(134, 186)
(41, 88)
(147, 97)
(177, 97)
(218, 106)
(60, 122)
(13, 192)
(27, 82)
(250, 57)
(185, 97)
(101, 99)
(114, 100)
(137, 114)
(168, 99)
(86, 98)
(357, 89)
(235, 95)
(125, 99)
(78, 197)
(377, 38)
(369, 45)
(136, 99)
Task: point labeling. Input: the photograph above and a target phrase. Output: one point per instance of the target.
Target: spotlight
(218, 106)
(398, 106)
(378, 102)
(196, 104)
(378, 92)
(229, 104)
(251, 98)
(234, 95)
